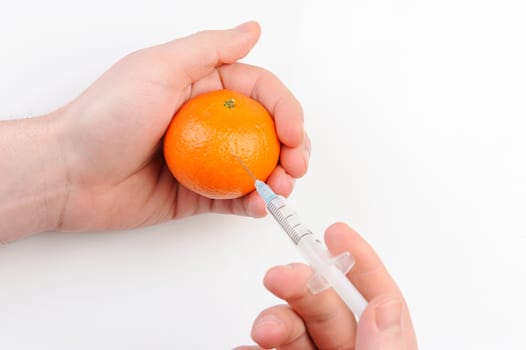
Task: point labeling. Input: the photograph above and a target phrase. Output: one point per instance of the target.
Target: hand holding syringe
(328, 271)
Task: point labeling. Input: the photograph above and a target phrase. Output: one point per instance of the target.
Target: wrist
(34, 184)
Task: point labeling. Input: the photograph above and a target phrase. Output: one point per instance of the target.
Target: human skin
(323, 321)
(97, 164)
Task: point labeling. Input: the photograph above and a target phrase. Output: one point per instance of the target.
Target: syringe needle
(246, 168)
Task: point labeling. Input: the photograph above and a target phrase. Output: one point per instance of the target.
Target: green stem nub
(230, 103)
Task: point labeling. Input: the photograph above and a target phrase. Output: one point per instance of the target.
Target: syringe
(329, 271)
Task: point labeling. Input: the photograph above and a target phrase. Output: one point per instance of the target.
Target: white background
(416, 113)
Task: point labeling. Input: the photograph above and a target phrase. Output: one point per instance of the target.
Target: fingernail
(244, 27)
(306, 158)
(388, 316)
(267, 320)
(307, 143)
(306, 150)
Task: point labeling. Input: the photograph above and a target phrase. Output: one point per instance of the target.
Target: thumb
(386, 324)
(195, 56)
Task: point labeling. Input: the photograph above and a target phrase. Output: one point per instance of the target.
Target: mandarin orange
(208, 136)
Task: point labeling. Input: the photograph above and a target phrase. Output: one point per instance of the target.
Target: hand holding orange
(109, 139)
(208, 136)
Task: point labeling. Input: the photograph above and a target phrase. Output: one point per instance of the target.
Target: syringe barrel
(287, 219)
(312, 250)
